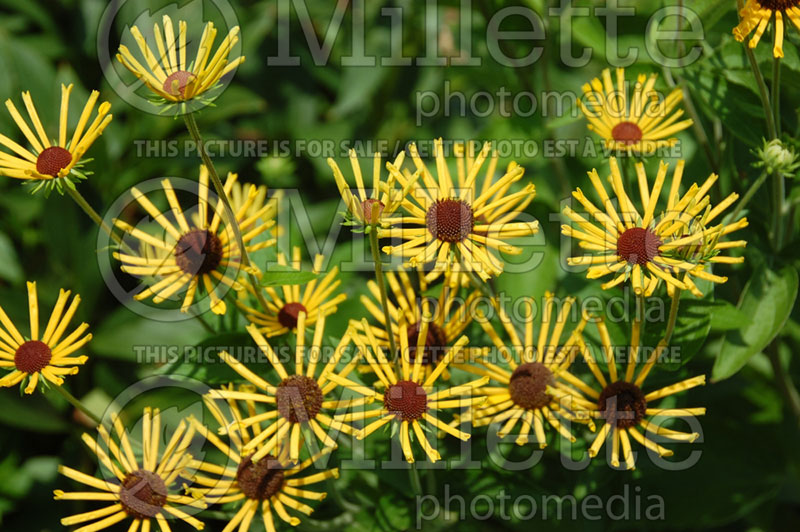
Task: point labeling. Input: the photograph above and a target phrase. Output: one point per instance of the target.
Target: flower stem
(96, 218)
(194, 131)
(754, 186)
(763, 93)
(673, 314)
(77, 404)
(776, 94)
(778, 183)
(783, 380)
(376, 260)
(413, 476)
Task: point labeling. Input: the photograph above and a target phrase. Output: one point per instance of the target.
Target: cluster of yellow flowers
(453, 233)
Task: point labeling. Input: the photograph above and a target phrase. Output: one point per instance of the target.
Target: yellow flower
(260, 487)
(282, 312)
(641, 124)
(61, 157)
(300, 400)
(648, 247)
(448, 319)
(410, 400)
(624, 406)
(466, 219)
(42, 357)
(194, 251)
(168, 74)
(538, 379)
(383, 200)
(757, 14)
(141, 490)
(240, 197)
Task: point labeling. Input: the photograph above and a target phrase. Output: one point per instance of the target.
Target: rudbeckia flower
(641, 124)
(48, 159)
(42, 357)
(756, 16)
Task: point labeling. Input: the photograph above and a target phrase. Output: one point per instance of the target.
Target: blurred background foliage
(748, 477)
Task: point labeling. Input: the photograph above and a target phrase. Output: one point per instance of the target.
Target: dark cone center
(260, 480)
(435, 344)
(450, 220)
(299, 398)
(407, 400)
(52, 160)
(32, 356)
(366, 209)
(528, 385)
(175, 84)
(287, 316)
(779, 5)
(143, 494)
(198, 252)
(622, 403)
(638, 246)
(627, 133)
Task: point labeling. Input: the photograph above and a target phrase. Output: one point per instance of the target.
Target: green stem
(778, 182)
(749, 195)
(376, 260)
(673, 314)
(205, 324)
(77, 404)
(194, 131)
(776, 95)
(413, 476)
(96, 218)
(340, 501)
(763, 93)
(783, 380)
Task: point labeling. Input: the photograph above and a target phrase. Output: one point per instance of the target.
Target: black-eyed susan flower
(46, 357)
(626, 409)
(372, 207)
(529, 390)
(285, 303)
(409, 400)
(140, 489)
(641, 124)
(168, 73)
(300, 400)
(650, 246)
(194, 250)
(458, 227)
(756, 15)
(271, 485)
(448, 317)
(48, 158)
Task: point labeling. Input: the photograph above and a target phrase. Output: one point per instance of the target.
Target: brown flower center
(435, 343)
(32, 356)
(779, 5)
(176, 83)
(627, 133)
(638, 246)
(622, 403)
(287, 316)
(260, 480)
(142, 494)
(366, 208)
(407, 400)
(298, 398)
(450, 220)
(528, 385)
(198, 252)
(52, 160)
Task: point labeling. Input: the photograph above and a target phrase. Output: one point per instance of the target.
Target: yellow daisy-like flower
(48, 159)
(409, 400)
(268, 485)
(285, 304)
(642, 124)
(168, 74)
(625, 407)
(651, 247)
(141, 491)
(191, 250)
(756, 16)
(300, 400)
(42, 357)
(537, 379)
(448, 318)
(466, 219)
(383, 200)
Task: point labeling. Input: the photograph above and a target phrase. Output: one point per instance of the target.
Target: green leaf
(10, 269)
(278, 275)
(726, 317)
(767, 301)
